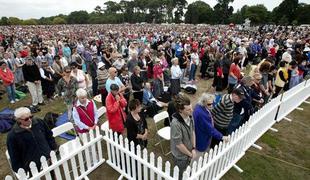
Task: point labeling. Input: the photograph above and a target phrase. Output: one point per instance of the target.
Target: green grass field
(285, 154)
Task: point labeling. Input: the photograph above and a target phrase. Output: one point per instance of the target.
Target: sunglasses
(27, 119)
(68, 71)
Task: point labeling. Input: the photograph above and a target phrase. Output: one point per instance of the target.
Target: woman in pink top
(164, 65)
(234, 74)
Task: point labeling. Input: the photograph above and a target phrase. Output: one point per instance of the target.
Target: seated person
(29, 139)
(152, 105)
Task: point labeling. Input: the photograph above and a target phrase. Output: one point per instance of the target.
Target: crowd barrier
(134, 163)
(78, 158)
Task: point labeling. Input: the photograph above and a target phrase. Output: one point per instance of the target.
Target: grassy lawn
(285, 154)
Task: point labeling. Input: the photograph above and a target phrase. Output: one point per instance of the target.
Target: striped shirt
(223, 112)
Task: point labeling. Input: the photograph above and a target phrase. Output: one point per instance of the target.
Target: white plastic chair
(163, 133)
(8, 158)
(101, 111)
(62, 129)
(105, 126)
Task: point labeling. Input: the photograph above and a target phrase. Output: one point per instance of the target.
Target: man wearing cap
(223, 111)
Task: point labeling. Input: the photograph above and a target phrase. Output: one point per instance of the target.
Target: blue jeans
(192, 72)
(234, 123)
(11, 92)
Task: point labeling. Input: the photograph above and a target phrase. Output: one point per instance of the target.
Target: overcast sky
(37, 8)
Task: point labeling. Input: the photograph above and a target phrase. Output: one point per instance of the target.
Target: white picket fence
(77, 159)
(220, 159)
(135, 165)
(144, 165)
(293, 98)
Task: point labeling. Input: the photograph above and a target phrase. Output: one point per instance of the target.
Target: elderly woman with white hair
(176, 75)
(204, 125)
(85, 114)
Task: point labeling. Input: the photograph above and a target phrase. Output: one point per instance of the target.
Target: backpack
(23, 89)
(50, 119)
(190, 89)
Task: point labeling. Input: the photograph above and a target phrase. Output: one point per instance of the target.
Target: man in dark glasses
(28, 140)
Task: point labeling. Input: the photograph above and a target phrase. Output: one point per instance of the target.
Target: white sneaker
(12, 102)
(16, 100)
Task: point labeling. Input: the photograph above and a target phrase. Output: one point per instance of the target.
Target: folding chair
(105, 126)
(63, 129)
(8, 158)
(101, 111)
(163, 133)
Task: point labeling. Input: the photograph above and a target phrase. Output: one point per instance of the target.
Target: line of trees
(176, 11)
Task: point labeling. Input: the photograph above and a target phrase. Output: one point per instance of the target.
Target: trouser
(183, 75)
(231, 88)
(243, 61)
(10, 90)
(35, 92)
(69, 108)
(198, 155)
(182, 165)
(214, 141)
(234, 123)
(277, 91)
(192, 72)
(203, 70)
(104, 94)
(94, 86)
(225, 81)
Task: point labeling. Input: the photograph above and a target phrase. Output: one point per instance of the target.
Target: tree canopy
(176, 11)
(199, 12)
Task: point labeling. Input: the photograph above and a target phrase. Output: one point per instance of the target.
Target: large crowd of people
(140, 69)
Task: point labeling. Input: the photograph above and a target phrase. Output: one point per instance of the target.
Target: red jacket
(157, 71)
(115, 113)
(7, 77)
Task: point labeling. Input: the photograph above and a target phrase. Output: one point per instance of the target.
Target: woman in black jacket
(137, 84)
(136, 124)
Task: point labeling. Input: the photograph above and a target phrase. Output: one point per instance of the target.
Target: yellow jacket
(279, 82)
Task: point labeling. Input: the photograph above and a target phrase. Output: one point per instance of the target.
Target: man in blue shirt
(113, 79)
